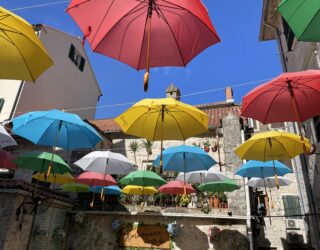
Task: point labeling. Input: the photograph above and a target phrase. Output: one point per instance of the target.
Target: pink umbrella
(145, 33)
(176, 187)
(6, 160)
(95, 179)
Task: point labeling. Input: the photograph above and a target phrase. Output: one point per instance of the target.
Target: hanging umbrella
(23, 56)
(5, 139)
(6, 159)
(142, 178)
(109, 190)
(57, 129)
(139, 190)
(105, 162)
(176, 187)
(303, 18)
(54, 178)
(219, 186)
(95, 179)
(202, 176)
(262, 170)
(146, 34)
(185, 159)
(163, 119)
(269, 182)
(75, 188)
(40, 162)
(290, 97)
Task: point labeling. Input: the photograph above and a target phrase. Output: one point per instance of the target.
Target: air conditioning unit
(294, 238)
(292, 224)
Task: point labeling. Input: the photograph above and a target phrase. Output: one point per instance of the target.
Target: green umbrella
(303, 17)
(40, 161)
(219, 186)
(143, 178)
(75, 188)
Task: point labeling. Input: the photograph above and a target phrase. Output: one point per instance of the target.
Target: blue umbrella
(261, 169)
(185, 159)
(56, 128)
(110, 190)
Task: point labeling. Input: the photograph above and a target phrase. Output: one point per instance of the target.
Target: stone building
(299, 56)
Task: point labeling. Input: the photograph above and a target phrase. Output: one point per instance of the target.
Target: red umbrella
(95, 179)
(145, 33)
(176, 187)
(6, 160)
(290, 97)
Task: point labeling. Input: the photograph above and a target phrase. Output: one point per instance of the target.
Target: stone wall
(96, 233)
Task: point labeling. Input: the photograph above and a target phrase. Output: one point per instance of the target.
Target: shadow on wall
(119, 147)
(192, 238)
(231, 239)
(295, 242)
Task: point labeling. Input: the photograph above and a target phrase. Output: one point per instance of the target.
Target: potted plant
(216, 201)
(206, 146)
(214, 148)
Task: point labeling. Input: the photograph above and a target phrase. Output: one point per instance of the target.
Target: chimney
(173, 92)
(229, 95)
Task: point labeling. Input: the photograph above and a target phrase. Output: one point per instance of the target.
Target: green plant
(206, 144)
(183, 200)
(134, 146)
(205, 209)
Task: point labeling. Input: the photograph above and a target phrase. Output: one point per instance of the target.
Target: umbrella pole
(148, 26)
(184, 174)
(161, 143)
(54, 149)
(92, 202)
(275, 175)
(105, 174)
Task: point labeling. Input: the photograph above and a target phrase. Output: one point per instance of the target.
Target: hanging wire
(38, 5)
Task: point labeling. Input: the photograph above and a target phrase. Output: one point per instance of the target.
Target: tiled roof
(106, 125)
(215, 111)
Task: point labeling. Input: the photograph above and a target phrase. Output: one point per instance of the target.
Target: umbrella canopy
(146, 34)
(290, 97)
(75, 188)
(303, 18)
(56, 128)
(6, 160)
(202, 176)
(139, 190)
(23, 56)
(272, 145)
(185, 159)
(176, 187)
(105, 162)
(163, 119)
(269, 182)
(40, 161)
(263, 169)
(219, 186)
(142, 178)
(54, 178)
(95, 179)
(5, 139)
(110, 190)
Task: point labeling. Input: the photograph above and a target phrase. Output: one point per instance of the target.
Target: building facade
(70, 84)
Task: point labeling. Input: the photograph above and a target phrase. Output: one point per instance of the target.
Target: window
(1, 103)
(288, 34)
(76, 58)
(316, 121)
(291, 205)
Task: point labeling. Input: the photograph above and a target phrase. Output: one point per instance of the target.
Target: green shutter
(291, 205)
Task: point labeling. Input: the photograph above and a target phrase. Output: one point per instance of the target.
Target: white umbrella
(6, 139)
(105, 162)
(269, 182)
(202, 176)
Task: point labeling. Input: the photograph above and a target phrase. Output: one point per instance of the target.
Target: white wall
(63, 86)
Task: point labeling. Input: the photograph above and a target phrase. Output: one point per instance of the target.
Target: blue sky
(239, 58)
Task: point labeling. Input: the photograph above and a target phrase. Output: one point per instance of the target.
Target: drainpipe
(249, 225)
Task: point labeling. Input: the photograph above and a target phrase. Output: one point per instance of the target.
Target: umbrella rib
(275, 138)
(155, 128)
(309, 22)
(170, 114)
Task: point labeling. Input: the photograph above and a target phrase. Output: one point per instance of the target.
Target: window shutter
(71, 52)
(82, 62)
(291, 205)
(1, 103)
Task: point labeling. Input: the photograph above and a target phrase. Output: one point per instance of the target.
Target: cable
(38, 5)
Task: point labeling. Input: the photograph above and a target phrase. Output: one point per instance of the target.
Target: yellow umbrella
(163, 119)
(273, 145)
(139, 190)
(23, 56)
(54, 178)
